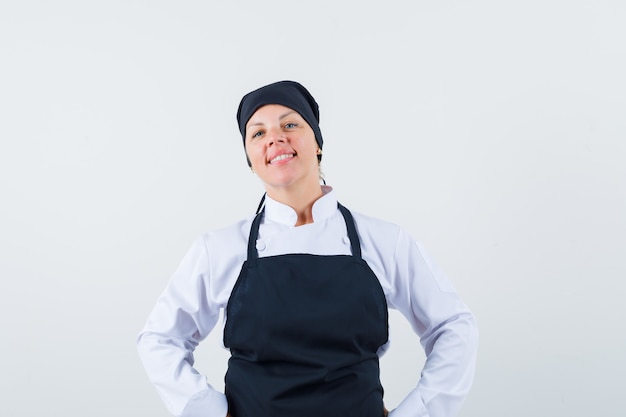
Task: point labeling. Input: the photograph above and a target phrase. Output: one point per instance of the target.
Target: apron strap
(253, 255)
(260, 206)
(352, 235)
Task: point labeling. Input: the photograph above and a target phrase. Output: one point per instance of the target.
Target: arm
(447, 331)
(182, 317)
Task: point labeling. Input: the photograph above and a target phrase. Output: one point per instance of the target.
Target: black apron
(303, 331)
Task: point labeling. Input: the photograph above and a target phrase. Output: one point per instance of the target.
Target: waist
(282, 389)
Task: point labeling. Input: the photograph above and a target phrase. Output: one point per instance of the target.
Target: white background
(494, 131)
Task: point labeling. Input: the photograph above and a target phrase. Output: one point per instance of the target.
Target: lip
(289, 155)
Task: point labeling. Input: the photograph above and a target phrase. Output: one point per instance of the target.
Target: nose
(275, 135)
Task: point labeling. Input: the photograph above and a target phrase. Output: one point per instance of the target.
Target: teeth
(281, 157)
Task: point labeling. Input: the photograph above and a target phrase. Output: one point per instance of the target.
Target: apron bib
(303, 331)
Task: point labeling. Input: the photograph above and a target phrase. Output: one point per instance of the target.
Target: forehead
(271, 112)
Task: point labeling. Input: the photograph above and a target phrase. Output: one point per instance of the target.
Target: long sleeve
(183, 315)
(446, 327)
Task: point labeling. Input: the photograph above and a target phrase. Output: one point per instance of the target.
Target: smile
(281, 157)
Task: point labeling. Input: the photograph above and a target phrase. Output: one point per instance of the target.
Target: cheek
(255, 154)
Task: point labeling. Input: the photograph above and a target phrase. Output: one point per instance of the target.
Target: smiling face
(282, 149)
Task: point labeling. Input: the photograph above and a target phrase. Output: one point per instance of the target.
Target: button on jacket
(189, 308)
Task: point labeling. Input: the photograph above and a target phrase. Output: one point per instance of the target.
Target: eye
(256, 134)
(291, 125)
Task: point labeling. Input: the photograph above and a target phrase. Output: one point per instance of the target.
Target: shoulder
(383, 237)
(219, 255)
(230, 236)
(376, 227)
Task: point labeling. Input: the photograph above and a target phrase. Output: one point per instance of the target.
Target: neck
(300, 199)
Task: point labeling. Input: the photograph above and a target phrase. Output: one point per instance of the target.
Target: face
(282, 149)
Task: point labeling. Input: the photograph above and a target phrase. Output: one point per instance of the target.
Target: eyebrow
(281, 117)
(286, 114)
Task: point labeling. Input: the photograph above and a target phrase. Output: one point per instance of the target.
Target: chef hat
(287, 93)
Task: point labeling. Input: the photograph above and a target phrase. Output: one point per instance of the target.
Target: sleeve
(182, 317)
(446, 327)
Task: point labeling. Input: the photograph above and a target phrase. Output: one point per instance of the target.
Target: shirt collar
(323, 208)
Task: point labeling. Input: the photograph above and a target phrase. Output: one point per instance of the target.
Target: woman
(305, 285)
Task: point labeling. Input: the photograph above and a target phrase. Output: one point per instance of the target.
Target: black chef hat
(287, 93)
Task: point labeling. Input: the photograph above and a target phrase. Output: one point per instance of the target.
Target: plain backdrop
(495, 132)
